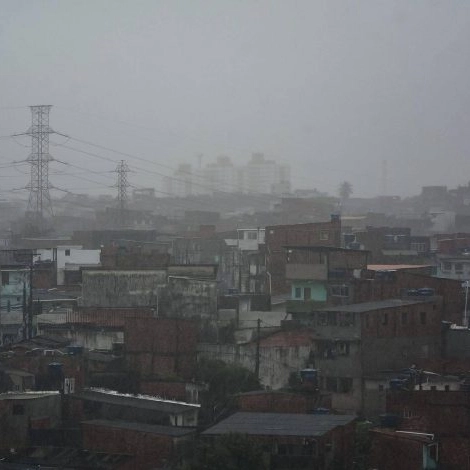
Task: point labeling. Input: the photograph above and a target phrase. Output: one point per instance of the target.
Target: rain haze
(333, 88)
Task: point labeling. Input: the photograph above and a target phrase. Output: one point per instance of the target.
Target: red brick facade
(279, 236)
(150, 450)
(367, 290)
(422, 319)
(161, 346)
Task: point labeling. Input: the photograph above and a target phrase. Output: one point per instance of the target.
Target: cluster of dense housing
(101, 338)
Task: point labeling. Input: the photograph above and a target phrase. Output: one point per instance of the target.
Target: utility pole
(122, 184)
(257, 358)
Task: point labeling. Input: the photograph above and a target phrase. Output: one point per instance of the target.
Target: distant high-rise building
(265, 176)
(258, 176)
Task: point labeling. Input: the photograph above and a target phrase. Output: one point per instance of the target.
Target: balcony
(303, 306)
(306, 272)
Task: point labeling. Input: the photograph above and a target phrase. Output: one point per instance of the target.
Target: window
(346, 319)
(252, 236)
(458, 267)
(307, 293)
(422, 318)
(342, 348)
(381, 388)
(322, 319)
(404, 318)
(67, 252)
(324, 235)
(419, 247)
(447, 266)
(407, 413)
(433, 452)
(385, 319)
(433, 388)
(332, 318)
(331, 384)
(446, 388)
(367, 320)
(18, 410)
(339, 291)
(5, 278)
(298, 293)
(345, 385)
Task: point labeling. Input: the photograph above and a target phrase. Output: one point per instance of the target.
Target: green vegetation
(225, 452)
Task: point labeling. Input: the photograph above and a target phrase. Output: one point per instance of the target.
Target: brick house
(152, 446)
(295, 441)
(353, 341)
(277, 237)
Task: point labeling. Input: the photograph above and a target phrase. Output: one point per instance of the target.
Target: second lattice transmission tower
(122, 184)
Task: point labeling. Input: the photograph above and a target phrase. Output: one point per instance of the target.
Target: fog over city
(372, 92)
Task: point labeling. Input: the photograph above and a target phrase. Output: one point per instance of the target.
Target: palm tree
(345, 190)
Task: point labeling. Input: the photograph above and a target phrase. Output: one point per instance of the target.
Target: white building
(69, 258)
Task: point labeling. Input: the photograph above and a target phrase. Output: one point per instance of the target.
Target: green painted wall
(318, 290)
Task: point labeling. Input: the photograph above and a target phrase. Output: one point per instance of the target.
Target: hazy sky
(335, 88)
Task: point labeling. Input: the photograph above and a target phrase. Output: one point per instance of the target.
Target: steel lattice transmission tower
(122, 184)
(39, 198)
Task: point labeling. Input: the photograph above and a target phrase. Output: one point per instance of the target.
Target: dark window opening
(18, 410)
(422, 318)
(5, 278)
(404, 318)
(385, 319)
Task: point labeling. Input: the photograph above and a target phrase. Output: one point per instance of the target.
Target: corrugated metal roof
(279, 424)
(380, 304)
(394, 267)
(173, 431)
(288, 339)
(139, 401)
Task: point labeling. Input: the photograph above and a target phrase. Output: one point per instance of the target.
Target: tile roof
(279, 424)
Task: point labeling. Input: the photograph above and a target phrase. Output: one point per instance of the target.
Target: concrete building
(151, 446)
(322, 275)
(69, 259)
(108, 404)
(281, 354)
(350, 341)
(278, 238)
(21, 411)
(121, 288)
